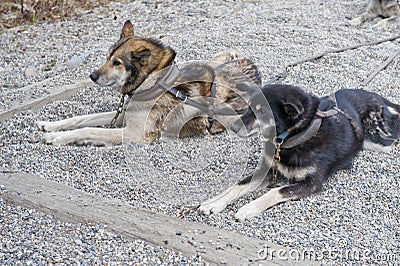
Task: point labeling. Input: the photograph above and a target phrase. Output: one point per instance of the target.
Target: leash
(211, 107)
(119, 110)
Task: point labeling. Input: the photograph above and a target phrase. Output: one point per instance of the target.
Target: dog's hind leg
(92, 120)
(393, 108)
(382, 126)
(366, 16)
(302, 189)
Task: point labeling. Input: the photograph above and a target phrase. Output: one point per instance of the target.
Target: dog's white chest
(296, 173)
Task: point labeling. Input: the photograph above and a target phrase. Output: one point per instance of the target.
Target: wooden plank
(381, 67)
(215, 246)
(343, 49)
(62, 93)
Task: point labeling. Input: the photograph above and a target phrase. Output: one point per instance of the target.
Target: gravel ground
(358, 211)
(32, 238)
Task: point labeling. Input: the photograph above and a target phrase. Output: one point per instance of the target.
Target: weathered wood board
(215, 246)
(62, 93)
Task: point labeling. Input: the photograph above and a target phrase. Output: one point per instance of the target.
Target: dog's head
(131, 60)
(288, 105)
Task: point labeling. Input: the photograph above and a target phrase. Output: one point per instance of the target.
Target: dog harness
(165, 84)
(281, 141)
(311, 130)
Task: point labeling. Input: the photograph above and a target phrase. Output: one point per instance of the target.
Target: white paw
(381, 25)
(248, 211)
(212, 207)
(57, 138)
(47, 126)
(357, 21)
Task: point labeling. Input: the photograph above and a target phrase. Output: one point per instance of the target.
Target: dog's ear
(141, 56)
(293, 108)
(127, 29)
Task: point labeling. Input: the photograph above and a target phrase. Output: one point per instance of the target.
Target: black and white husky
(315, 137)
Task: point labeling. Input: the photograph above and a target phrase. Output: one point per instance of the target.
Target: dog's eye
(116, 63)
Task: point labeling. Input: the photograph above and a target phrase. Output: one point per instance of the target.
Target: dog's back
(235, 68)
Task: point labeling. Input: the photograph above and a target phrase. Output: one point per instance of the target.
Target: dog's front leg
(302, 189)
(92, 120)
(261, 178)
(383, 24)
(249, 184)
(366, 16)
(89, 135)
(218, 203)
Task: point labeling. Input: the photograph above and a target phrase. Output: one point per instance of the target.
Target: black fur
(130, 67)
(366, 117)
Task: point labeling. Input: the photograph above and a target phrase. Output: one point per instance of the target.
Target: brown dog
(143, 71)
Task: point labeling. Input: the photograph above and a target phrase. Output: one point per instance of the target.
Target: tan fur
(135, 64)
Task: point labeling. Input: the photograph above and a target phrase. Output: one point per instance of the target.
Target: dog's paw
(356, 21)
(57, 138)
(248, 211)
(212, 207)
(47, 126)
(381, 25)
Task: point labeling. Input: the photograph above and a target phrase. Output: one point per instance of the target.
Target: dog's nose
(94, 76)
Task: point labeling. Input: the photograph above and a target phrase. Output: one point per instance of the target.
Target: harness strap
(281, 142)
(304, 136)
(166, 84)
(311, 130)
(211, 107)
(334, 111)
(171, 75)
